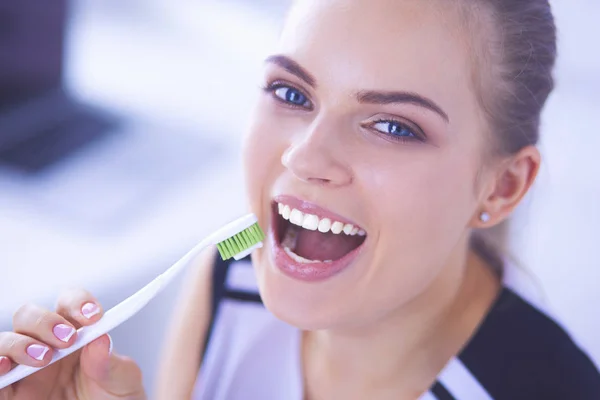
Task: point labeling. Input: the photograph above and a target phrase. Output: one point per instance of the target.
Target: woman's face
(369, 119)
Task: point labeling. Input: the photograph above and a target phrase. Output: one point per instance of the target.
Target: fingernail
(110, 344)
(89, 310)
(4, 361)
(37, 351)
(63, 332)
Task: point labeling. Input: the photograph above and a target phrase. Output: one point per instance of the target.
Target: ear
(511, 181)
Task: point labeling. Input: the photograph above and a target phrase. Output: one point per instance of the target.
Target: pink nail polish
(4, 361)
(89, 310)
(37, 351)
(63, 332)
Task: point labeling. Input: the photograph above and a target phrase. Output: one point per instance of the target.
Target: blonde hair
(515, 48)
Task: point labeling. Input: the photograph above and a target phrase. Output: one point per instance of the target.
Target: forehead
(410, 45)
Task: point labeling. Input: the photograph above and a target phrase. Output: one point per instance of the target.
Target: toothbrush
(236, 239)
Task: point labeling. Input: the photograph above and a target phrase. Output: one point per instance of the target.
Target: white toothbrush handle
(112, 318)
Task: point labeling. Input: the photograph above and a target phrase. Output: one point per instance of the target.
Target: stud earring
(484, 217)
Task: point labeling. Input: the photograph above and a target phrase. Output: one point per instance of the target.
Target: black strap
(219, 291)
(441, 392)
(241, 295)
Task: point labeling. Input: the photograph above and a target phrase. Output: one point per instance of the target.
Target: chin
(306, 305)
(293, 305)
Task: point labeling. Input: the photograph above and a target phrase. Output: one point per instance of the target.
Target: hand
(92, 373)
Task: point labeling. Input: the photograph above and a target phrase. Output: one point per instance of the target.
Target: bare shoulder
(182, 349)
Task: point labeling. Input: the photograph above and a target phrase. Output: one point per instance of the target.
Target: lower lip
(309, 272)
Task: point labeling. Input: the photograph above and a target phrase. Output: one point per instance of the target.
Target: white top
(253, 355)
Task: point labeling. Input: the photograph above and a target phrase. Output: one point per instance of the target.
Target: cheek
(420, 208)
(262, 157)
(412, 189)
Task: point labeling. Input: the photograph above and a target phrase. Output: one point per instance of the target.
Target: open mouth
(310, 237)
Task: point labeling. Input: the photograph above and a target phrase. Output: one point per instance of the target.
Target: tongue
(314, 245)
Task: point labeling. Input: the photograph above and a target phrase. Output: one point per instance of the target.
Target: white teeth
(348, 229)
(285, 213)
(324, 225)
(296, 217)
(311, 222)
(299, 259)
(337, 227)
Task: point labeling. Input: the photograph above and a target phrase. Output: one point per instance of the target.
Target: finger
(115, 374)
(5, 365)
(45, 326)
(79, 307)
(24, 350)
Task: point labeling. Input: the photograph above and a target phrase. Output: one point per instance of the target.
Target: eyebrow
(375, 97)
(292, 67)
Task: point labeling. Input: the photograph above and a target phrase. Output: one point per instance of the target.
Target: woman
(390, 137)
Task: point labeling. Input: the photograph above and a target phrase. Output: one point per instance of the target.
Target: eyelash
(272, 87)
(417, 132)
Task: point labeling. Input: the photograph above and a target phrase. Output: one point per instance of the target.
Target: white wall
(558, 229)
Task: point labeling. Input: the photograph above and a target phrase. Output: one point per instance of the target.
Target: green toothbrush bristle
(240, 242)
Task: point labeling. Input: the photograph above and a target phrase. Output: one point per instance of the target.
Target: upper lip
(308, 207)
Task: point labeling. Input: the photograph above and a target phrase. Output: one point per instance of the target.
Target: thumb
(117, 375)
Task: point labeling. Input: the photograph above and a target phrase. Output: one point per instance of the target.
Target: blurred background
(120, 127)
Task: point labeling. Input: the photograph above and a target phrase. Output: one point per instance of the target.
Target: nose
(316, 157)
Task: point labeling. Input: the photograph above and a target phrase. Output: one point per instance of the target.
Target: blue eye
(292, 96)
(397, 130)
(394, 128)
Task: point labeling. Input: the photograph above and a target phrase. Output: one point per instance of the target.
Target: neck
(409, 346)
